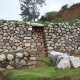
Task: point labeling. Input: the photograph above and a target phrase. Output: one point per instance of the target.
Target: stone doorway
(38, 43)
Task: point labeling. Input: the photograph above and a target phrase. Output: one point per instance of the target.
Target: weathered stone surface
(53, 36)
(18, 66)
(30, 29)
(5, 50)
(17, 60)
(19, 55)
(12, 63)
(75, 62)
(26, 58)
(63, 64)
(12, 36)
(58, 59)
(23, 62)
(10, 57)
(33, 58)
(26, 53)
(5, 27)
(2, 57)
(19, 48)
(27, 38)
(16, 36)
(9, 67)
(53, 55)
(27, 44)
(50, 48)
(64, 56)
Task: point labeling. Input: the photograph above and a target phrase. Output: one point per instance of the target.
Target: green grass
(46, 60)
(43, 73)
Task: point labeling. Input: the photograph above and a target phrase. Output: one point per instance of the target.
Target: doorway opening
(38, 41)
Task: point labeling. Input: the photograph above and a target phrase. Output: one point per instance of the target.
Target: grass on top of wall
(43, 73)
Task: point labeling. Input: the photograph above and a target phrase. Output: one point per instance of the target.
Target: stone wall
(14, 36)
(18, 60)
(63, 38)
(15, 45)
(17, 39)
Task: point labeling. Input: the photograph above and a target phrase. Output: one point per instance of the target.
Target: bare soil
(2, 77)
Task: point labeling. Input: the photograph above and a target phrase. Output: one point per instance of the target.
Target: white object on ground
(64, 56)
(75, 62)
(63, 64)
(54, 55)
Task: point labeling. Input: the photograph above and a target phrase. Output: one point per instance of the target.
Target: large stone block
(75, 62)
(19, 55)
(54, 36)
(27, 37)
(10, 57)
(23, 62)
(50, 48)
(33, 58)
(63, 64)
(27, 44)
(9, 67)
(26, 53)
(5, 27)
(54, 56)
(18, 48)
(12, 63)
(2, 57)
(64, 56)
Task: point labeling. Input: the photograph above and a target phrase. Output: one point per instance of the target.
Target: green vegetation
(58, 21)
(46, 60)
(49, 16)
(54, 16)
(64, 7)
(43, 73)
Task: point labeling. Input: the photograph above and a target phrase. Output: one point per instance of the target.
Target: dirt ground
(2, 77)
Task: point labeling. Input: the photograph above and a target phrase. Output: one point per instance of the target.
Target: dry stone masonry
(63, 38)
(18, 60)
(16, 36)
(21, 35)
(38, 39)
